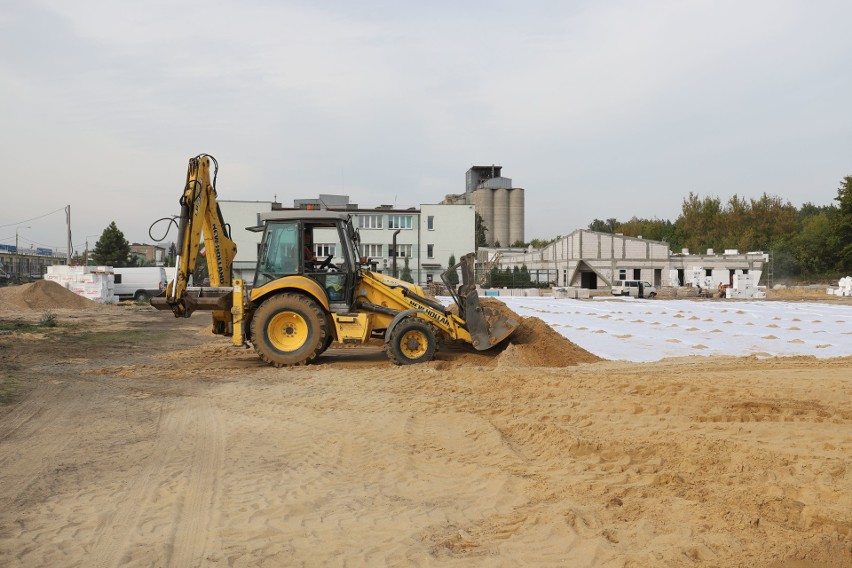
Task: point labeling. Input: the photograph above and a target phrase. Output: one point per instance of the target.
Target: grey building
(592, 260)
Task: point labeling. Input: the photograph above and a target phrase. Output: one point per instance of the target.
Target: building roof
(308, 214)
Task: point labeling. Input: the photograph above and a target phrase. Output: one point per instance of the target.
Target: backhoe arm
(200, 221)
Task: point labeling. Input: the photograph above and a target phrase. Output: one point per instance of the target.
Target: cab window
(278, 253)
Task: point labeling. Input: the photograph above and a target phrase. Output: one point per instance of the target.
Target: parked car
(139, 283)
(635, 288)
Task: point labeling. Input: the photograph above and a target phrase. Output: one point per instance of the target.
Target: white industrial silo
(483, 202)
(499, 204)
(516, 215)
(501, 217)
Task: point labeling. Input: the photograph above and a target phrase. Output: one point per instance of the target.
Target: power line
(33, 219)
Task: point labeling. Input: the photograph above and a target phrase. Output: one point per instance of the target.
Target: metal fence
(516, 278)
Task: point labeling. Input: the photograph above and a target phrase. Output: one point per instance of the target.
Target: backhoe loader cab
(311, 287)
(319, 245)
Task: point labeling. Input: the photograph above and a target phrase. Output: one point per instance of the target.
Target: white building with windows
(426, 237)
(239, 215)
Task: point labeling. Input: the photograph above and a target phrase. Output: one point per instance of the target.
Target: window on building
(399, 221)
(369, 221)
(622, 274)
(371, 250)
(402, 251)
(322, 250)
(637, 274)
(430, 223)
(430, 251)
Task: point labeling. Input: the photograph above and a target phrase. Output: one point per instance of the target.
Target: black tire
(652, 295)
(141, 296)
(288, 329)
(411, 341)
(329, 339)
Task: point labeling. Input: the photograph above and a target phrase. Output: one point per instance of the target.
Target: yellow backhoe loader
(298, 305)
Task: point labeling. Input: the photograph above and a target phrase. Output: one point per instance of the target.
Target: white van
(634, 288)
(139, 283)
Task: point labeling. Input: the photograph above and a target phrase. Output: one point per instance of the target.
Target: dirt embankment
(43, 295)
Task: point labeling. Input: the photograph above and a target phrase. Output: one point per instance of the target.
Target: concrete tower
(500, 205)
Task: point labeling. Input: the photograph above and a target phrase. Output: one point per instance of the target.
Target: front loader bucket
(486, 325)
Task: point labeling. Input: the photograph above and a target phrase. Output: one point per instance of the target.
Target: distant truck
(139, 283)
(634, 288)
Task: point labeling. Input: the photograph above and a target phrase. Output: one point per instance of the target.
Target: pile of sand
(536, 344)
(42, 295)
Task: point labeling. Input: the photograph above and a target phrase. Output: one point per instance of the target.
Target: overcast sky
(598, 109)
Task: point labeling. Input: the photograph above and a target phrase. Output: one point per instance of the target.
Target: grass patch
(19, 327)
(47, 320)
(12, 390)
(123, 337)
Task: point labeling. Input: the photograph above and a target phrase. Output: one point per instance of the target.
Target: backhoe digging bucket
(486, 325)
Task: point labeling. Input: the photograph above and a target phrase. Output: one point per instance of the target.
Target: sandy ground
(131, 438)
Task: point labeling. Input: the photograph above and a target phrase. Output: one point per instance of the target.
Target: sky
(597, 109)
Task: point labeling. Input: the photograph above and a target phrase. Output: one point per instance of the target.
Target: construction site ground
(131, 438)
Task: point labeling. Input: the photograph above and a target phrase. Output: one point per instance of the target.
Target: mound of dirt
(43, 295)
(536, 344)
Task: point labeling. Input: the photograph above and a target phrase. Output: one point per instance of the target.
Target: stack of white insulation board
(93, 282)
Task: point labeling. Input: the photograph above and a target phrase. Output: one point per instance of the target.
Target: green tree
(812, 248)
(608, 226)
(771, 222)
(524, 278)
(842, 226)
(406, 273)
(112, 248)
(479, 230)
(541, 243)
(452, 276)
(700, 223)
(172, 255)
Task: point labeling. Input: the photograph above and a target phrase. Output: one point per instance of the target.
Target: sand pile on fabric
(42, 295)
(536, 344)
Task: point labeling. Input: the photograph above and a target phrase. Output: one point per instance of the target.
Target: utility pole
(68, 219)
(18, 252)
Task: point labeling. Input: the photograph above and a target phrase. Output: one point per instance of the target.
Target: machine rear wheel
(411, 341)
(289, 329)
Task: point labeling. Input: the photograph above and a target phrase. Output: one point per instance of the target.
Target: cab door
(333, 267)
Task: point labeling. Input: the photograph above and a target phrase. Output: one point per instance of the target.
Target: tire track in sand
(117, 528)
(187, 419)
(46, 426)
(193, 530)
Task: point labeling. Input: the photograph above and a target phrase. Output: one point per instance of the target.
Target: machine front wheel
(289, 329)
(411, 341)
